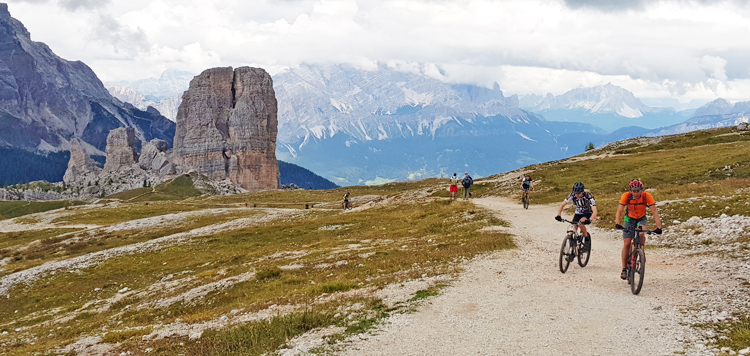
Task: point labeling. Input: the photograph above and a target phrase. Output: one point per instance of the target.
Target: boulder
(81, 168)
(743, 126)
(227, 126)
(153, 157)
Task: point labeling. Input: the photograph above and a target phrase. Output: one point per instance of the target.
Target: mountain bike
(635, 265)
(346, 205)
(573, 247)
(525, 199)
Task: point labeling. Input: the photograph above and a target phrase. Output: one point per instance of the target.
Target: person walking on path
(454, 186)
(467, 182)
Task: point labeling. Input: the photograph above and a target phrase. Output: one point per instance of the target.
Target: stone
(120, 149)
(227, 127)
(153, 157)
(81, 167)
(743, 126)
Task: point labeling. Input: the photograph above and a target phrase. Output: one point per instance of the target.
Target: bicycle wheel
(566, 252)
(583, 257)
(637, 272)
(525, 202)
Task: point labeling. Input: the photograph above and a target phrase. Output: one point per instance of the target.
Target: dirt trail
(518, 303)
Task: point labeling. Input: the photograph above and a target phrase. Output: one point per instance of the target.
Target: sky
(677, 49)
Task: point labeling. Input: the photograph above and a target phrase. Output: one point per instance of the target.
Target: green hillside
(711, 166)
(153, 260)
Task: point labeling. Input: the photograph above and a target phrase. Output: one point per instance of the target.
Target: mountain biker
(467, 182)
(585, 210)
(526, 184)
(454, 186)
(346, 200)
(636, 201)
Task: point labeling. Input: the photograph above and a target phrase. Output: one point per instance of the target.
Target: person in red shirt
(636, 201)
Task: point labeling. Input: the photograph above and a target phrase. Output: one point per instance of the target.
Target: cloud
(636, 5)
(70, 5)
(607, 5)
(673, 47)
(73, 5)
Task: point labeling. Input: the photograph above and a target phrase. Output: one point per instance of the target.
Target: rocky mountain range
(46, 101)
(166, 106)
(606, 106)
(358, 126)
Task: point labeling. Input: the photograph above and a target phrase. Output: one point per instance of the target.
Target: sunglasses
(636, 190)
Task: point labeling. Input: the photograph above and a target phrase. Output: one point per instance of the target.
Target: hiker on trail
(467, 182)
(454, 186)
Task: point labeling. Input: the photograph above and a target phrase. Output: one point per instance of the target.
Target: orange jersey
(636, 208)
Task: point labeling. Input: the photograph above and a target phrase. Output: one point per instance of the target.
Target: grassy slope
(702, 165)
(399, 241)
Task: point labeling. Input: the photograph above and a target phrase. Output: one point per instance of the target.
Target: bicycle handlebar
(573, 223)
(639, 229)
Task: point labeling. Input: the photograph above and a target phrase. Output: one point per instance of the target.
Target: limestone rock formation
(226, 128)
(154, 158)
(120, 149)
(81, 168)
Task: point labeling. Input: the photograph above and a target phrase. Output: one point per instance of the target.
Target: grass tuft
(266, 273)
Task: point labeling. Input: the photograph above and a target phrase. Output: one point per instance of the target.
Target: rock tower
(226, 128)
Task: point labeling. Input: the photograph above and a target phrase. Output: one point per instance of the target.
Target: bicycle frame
(635, 263)
(573, 239)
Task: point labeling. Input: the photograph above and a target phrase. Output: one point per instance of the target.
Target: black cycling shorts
(525, 187)
(577, 217)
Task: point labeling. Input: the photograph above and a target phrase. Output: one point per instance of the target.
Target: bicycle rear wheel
(566, 254)
(583, 257)
(637, 271)
(525, 202)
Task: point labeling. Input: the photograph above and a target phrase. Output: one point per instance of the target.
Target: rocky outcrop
(227, 126)
(120, 149)
(46, 101)
(154, 158)
(81, 168)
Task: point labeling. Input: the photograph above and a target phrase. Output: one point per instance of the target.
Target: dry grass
(335, 252)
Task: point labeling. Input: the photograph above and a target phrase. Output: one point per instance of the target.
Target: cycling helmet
(636, 185)
(578, 188)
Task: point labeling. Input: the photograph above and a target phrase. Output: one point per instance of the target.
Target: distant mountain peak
(607, 98)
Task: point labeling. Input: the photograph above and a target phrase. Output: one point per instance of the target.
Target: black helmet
(578, 188)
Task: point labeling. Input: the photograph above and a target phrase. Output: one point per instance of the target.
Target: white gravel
(518, 303)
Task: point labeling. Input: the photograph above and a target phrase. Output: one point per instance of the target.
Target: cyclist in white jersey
(585, 210)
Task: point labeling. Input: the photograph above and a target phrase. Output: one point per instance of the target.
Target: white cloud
(680, 48)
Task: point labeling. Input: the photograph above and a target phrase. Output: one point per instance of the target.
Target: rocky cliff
(46, 101)
(227, 126)
(81, 168)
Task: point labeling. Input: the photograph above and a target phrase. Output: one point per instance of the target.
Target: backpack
(467, 181)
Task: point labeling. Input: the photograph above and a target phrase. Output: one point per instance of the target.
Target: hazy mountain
(607, 106)
(370, 126)
(170, 83)
(45, 101)
(167, 106)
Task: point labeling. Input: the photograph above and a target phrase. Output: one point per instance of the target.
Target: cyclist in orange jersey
(635, 203)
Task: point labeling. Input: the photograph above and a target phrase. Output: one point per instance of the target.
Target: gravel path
(518, 303)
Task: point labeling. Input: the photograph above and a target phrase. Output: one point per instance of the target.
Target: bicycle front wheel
(566, 252)
(637, 271)
(583, 255)
(526, 202)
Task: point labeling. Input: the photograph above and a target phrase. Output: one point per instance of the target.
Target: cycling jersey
(583, 204)
(636, 208)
